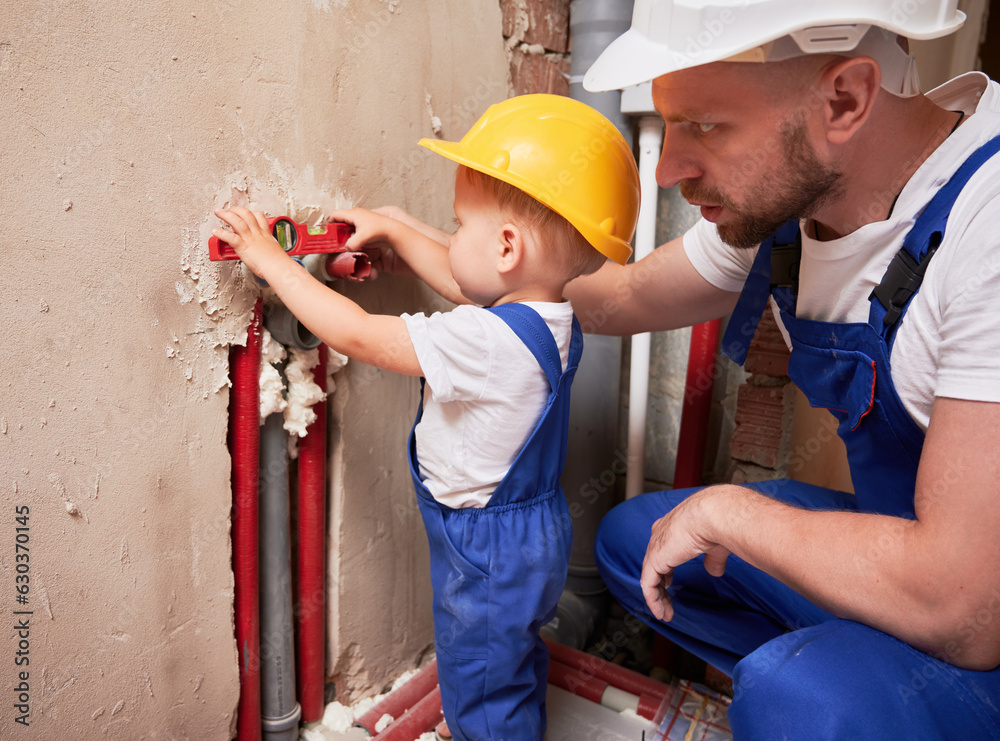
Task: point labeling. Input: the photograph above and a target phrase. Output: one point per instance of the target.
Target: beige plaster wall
(123, 125)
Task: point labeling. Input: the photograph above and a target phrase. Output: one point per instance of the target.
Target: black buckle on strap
(902, 279)
(785, 259)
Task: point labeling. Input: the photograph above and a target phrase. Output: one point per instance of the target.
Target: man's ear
(849, 89)
(511, 248)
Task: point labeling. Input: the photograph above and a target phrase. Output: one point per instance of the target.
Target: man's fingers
(658, 602)
(654, 589)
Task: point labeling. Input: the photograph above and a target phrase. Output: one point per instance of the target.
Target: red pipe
(244, 450)
(573, 680)
(616, 676)
(697, 405)
(420, 718)
(310, 615)
(593, 688)
(352, 265)
(402, 698)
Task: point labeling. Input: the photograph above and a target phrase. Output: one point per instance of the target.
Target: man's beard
(795, 190)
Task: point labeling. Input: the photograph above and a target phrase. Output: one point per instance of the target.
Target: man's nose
(676, 161)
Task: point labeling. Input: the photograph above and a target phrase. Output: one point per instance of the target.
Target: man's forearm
(875, 569)
(661, 291)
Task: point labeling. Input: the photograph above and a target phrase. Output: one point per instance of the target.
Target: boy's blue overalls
(807, 675)
(497, 572)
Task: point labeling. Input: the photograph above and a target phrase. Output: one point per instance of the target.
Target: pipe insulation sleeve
(580, 684)
(617, 676)
(244, 449)
(419, 719)
(402, 698)
(277, 666)
(597, 690)
(311, 609)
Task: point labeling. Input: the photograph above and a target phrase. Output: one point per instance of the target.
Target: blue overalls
(799, 672)
(497, 572)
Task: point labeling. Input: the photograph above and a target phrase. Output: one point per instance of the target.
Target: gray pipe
(286, 328)
(279, 711)
(594, 24)
(593, 461)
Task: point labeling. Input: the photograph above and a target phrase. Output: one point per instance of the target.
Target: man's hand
(677, 537)
(251, 237)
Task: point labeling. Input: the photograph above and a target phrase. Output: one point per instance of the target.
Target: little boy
(546, 190)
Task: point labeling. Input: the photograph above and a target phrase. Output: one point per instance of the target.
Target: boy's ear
(511, 248)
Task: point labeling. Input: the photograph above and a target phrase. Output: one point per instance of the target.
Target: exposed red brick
(508, 10)
(535, 73)
(548, 24)
(768, 353)
(760, 418)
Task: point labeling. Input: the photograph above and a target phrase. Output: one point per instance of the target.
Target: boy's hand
(251, 237)
(373, 233)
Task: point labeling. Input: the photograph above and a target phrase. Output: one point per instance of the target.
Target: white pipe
(650, 141)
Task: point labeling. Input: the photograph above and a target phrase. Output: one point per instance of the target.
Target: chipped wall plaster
(114, 364)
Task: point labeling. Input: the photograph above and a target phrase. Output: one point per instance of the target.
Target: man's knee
(611, 531)
(620, 544)
(815, 683)
(772, 691)
(611, 546)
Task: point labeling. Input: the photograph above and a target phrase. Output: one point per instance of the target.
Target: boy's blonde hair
(567, 246)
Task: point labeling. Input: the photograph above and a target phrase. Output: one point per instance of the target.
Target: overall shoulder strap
(532, 330)
(776, 265)
(905, 273)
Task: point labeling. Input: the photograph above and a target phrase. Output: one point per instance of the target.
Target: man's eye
(704, 128)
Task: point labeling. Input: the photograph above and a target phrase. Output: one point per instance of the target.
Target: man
(799, 128)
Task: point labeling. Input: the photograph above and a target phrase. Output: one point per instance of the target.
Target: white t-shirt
(948, 342)
(483, 396)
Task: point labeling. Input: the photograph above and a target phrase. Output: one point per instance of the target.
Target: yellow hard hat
(563, 153)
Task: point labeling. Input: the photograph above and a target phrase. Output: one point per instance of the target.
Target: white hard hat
(671, 35)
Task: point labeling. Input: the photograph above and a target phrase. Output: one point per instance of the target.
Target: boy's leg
(843, 680)
(492, 666)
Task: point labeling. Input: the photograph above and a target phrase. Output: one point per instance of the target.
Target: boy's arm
(423, 250)
(395, 212)
(378, 340)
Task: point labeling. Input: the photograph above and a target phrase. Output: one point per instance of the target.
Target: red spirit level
(295, 239)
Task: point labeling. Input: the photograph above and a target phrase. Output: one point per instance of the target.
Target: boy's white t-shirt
(484, 394)
(948, 342)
